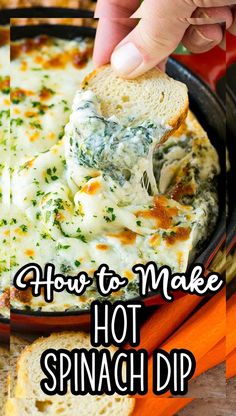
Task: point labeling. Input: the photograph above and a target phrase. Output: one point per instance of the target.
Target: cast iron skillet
(231, 144)
(4, 19)
(210, 113)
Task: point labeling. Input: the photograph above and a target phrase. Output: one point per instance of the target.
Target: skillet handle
(211, 66)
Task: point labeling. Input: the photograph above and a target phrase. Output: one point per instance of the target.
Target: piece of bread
(29, 373)
(31, 401)
(17, 345)
(153, 97)
(4, 368)
(71, 406)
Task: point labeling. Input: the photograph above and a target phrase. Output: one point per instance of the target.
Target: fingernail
(198, 38)
(126, 59)
(222, 45)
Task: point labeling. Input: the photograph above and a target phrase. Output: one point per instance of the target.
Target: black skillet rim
(45, 12)
(57, 30)
(4, 20)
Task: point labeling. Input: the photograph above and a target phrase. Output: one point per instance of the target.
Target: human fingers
(211, 15)
(147, 45)
(210, 32)
(177, 8)
(115, 8)
(199, 39)
(161, 28)
(109, 33)
(232, 28)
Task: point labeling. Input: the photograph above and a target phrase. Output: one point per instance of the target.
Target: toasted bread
(153, 97)
(29, 399)
(17, 345)
(71, 406)
(4, 369)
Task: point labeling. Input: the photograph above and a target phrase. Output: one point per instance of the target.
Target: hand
(135, 46)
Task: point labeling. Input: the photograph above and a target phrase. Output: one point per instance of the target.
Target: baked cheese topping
(45, 73)
(97, 191)
(89, 212)
(4, 169)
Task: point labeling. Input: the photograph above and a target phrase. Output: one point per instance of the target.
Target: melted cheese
(4, 170)
(45, 73)
(81, 208)
(81, 199)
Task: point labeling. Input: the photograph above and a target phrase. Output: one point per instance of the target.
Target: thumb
(147, 45)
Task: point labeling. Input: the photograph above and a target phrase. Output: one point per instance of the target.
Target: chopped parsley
(23, 228)
(17, 121)
(111, 217)
(36, 124)
(62, 247)
(82, 238)
(51, 174)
